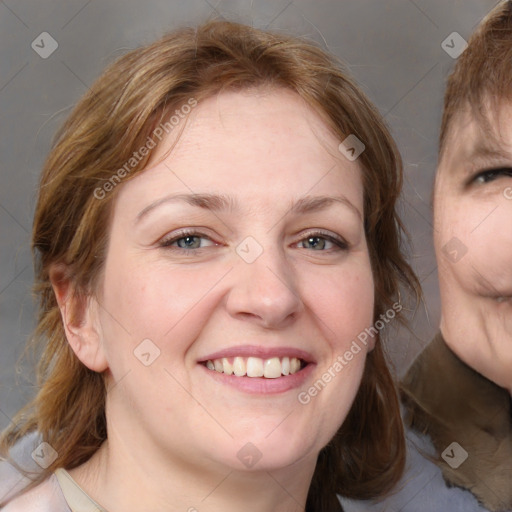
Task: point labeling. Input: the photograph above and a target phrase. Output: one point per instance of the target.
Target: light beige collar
(78, 500)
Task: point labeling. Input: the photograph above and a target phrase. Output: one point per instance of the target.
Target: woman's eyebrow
(214, 202)
(316, 203)
(481, 156)
(488, 150)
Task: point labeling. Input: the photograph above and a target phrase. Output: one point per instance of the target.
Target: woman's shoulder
(45, 497)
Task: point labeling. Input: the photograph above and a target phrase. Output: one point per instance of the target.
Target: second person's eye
(492, 174)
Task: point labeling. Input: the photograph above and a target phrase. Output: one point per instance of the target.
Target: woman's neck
(121, 481)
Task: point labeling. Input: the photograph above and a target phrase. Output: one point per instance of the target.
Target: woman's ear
(80, 318)
(372, 340)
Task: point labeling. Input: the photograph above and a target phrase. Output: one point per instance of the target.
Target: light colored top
(422, 487)
(77, 499)
(59, 493)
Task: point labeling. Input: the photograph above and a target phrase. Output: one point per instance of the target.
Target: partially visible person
(457, 394)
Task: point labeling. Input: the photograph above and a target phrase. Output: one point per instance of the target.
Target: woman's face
(243, 250)
(473, 238)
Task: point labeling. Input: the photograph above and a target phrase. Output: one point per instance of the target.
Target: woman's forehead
(240, 138)
(476, 140)
(259, 117)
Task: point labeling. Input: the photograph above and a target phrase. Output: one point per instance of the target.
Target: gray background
(393, 49)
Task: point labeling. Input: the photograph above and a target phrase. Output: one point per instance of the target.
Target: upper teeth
(256, 367)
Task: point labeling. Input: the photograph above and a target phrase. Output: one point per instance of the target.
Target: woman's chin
(260, 454)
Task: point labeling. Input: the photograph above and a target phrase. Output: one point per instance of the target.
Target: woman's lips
(262, 385)
(259, 351)
(257, 369)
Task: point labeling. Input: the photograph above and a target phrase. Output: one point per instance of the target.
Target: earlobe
(370, 343)
(80, 319)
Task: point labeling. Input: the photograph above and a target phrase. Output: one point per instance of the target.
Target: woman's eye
(492, 174)
(191, 242)
(187, 242)
(320, 242)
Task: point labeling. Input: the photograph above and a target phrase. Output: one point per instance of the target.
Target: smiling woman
(184, 312)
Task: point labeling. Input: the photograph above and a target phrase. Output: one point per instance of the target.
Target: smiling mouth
(256, 367)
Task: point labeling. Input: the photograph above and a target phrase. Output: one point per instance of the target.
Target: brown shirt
(452, 403)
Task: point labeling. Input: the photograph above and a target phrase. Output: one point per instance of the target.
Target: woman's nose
(264, 289)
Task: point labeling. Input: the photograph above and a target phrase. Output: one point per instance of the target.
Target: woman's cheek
(344, 302)
(476, 244)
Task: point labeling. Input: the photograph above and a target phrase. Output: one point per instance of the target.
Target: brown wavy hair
(71, 226)
(482, 76)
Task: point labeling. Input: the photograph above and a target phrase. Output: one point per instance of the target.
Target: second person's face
(473, 239)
